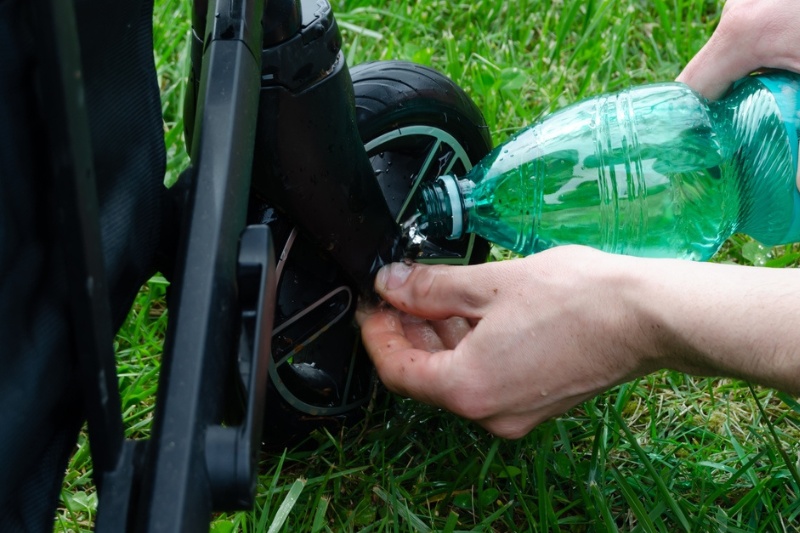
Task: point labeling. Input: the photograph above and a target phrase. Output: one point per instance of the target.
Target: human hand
(510, 344)
(751, 35)
(507, 344)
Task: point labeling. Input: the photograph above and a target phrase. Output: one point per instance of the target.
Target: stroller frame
(207, 431)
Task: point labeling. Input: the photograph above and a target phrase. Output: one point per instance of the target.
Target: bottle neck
(442, 208)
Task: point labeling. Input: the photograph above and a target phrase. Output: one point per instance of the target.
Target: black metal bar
(117, 504)
(177, 492)
(62, 98)
(232, 450)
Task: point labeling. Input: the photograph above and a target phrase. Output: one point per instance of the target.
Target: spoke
(315, 332)
(285, 254)
(423, 171)
(452, 163)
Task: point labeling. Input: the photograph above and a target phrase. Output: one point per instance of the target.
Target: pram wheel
(416, 124)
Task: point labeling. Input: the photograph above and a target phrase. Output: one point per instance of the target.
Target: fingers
(438, 292)
(434, 335)
(421, 333)
(403, 367)
(452, 330)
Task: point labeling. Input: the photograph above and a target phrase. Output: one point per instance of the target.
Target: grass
(667, 452)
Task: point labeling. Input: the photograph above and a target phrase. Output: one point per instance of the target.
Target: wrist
(616, 315)
(642, 334)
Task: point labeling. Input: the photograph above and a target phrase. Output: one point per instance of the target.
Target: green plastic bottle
(656, 170)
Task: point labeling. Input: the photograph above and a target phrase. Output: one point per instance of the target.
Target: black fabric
(40, 402)
(127, 140)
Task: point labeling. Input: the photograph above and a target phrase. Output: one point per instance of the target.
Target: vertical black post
(202, 340)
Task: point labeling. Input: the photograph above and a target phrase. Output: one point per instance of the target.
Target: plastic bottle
(656, 170)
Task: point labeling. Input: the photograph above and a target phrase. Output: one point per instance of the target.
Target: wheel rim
(298, 373)
(439, 153)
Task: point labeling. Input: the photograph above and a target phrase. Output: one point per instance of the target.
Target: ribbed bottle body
(636, 172)
(651, 171)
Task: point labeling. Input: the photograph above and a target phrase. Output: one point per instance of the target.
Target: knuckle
(426, 280)
(740, 16)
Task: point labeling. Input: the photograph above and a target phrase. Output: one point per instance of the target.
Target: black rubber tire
(396, 95)
(390, 96)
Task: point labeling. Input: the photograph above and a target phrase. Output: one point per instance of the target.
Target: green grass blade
(402, 509)
(319, 516)
(286, 506)
(663, 491)
(791, 466)
(645, 522)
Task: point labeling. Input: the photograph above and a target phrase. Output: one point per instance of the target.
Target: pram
(301, 170)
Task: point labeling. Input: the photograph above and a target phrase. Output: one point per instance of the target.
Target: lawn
(667, 452)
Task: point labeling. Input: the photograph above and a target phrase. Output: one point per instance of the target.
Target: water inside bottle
(654, 189)
(654, 171)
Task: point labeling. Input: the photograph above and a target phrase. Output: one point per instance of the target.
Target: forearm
(724, 320)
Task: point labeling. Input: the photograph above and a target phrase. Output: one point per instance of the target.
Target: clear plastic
(652, 171)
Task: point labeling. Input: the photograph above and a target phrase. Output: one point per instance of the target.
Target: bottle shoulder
(765, 114)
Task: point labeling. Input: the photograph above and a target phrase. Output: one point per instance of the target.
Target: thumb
(436, 292)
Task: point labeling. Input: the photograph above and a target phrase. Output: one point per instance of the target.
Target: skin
(511, 344)
(752, 35)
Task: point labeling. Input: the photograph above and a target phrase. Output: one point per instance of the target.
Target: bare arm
(726, 320)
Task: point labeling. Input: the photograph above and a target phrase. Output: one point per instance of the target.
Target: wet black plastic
(309, 159)
(282, 19)
(231, 450)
